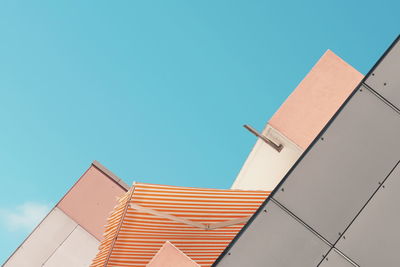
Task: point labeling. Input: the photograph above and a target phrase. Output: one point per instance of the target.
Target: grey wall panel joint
(373, 238)
(385, 78)
(335, 179)
(336, 192)
(335, 258)
(275, 238)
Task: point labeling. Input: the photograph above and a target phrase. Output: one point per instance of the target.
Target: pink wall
(316, 99)
(171, 256)
(91, 199)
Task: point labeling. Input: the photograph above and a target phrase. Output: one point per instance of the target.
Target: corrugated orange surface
(132, 238)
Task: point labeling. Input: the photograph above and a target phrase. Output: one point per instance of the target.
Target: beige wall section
(77, 250)
(171, 256)
(315, 100)
(43, 241)
(265, 167)
(91, 199)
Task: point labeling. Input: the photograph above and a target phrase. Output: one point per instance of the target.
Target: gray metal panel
(373, 239)
(275, 239)
(334, 259)
(385, 78)
(335, 179)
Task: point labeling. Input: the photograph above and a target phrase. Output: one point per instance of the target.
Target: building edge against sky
(124, 251)
(71, 232)
(337, 206)
(298, 121)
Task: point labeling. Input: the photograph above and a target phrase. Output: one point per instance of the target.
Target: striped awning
(200, 222)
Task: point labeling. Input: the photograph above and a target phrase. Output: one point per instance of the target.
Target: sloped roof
(171, 256)
(199, 222)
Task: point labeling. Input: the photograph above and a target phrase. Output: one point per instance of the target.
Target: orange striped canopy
(200, 222)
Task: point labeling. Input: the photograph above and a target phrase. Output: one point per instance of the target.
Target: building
(337, 206)
(70, 234)
(301, 224)
(298, 121)
(199, 222)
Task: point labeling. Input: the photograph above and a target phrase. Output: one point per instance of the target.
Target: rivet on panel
(373, 74)
(384, 84)
(360, 90)
(326, 258)
(283, 189)
(265, 210)
(229, 253)
(322, 138)
(383, 186)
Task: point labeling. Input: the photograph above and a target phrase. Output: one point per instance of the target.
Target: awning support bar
(264, 138)
(171, 217)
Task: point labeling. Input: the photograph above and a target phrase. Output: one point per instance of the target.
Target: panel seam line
(387, 102)
(381, 183)
(54, 251)
(301, 222)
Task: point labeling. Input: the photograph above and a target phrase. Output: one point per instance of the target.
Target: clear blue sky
(157, 91)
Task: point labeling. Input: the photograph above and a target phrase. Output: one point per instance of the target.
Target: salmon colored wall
(316, 99)
(171, 256)
(90, 201)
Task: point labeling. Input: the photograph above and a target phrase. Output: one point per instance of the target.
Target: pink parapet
(316, 99)
(91, 199)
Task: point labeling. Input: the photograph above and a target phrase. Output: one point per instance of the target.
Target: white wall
(56, 236)
(265, 167)
(78, 250)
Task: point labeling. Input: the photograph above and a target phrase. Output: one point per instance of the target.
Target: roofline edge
(110, 174)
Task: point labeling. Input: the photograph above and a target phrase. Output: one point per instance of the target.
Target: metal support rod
(207, 226)
(264, 138)
(168, 216)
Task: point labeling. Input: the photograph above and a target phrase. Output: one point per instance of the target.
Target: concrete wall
(70, 234)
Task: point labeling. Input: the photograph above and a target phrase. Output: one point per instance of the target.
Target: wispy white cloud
(24, 217)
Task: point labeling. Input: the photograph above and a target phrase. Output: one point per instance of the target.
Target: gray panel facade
(341, 193)
(373, 239)
(334, 259)
(343, 170)
(385, 77)
(276, 239)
